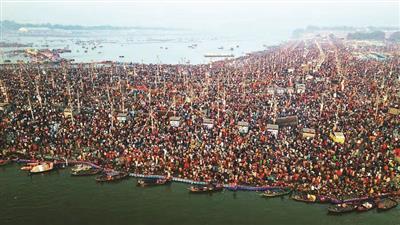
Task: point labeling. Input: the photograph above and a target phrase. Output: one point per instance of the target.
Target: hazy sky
(232, 16)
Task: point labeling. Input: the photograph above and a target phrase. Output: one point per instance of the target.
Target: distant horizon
(231, 17)
(82, 26)
(100, 26)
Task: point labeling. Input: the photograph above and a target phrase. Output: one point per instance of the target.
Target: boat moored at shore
(147, 182)
(42, 168)
(112, 176)
(341, 208)
(276, 193)
(85, 170)
(208, 188)
(386, 204)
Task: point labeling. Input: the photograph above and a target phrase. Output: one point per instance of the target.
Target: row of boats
(382, 204)
(206, 188)
(112, 176)
(33, 168)
(364, 206)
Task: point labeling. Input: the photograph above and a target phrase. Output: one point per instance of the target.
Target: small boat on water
(42, 167)
(209, 188)
(29, 166)
(147, 182)
(214, 55)
(121, 56)
(365, 206)
(304, 197)
(276, 192)
(341, 208)
(4, 162)
(85, 170)
(386, 204)
(111, 177)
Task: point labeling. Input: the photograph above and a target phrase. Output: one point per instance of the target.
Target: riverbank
(230, 187)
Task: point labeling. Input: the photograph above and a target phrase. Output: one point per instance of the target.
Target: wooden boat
(341, 208)
(42, 167)
(111, 177)
(386, 204)
(80, 167)
(304, 197)
(4, 162)
(147, 182)
(365, 206)
(276, 193)
(209, 188)
(85, 170)
(29, 166)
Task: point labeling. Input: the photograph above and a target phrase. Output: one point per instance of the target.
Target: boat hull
(157, 182)
(42, 168)
(386, 204)
(4, 162)
(205, 189)
(90, 172)
(274, 194)
(341, 210)
(106, 178)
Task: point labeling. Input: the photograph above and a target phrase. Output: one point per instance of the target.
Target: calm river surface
(57, 198)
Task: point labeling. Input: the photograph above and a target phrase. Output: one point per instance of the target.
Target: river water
(57, 198)
(170, 47)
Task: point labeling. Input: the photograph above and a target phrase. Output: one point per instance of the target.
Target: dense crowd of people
(121, 117)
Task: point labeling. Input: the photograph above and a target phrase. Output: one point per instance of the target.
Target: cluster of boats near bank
(381, 203)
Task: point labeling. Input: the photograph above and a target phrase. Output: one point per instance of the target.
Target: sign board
(308, 133)
(175, 121)
(287, 121)
(243, 127)
(209, 123)
(121, 117)
(337, 137)
(300, 88)
(273, 128)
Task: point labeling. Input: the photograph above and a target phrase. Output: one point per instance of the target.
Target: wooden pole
(30, 107)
